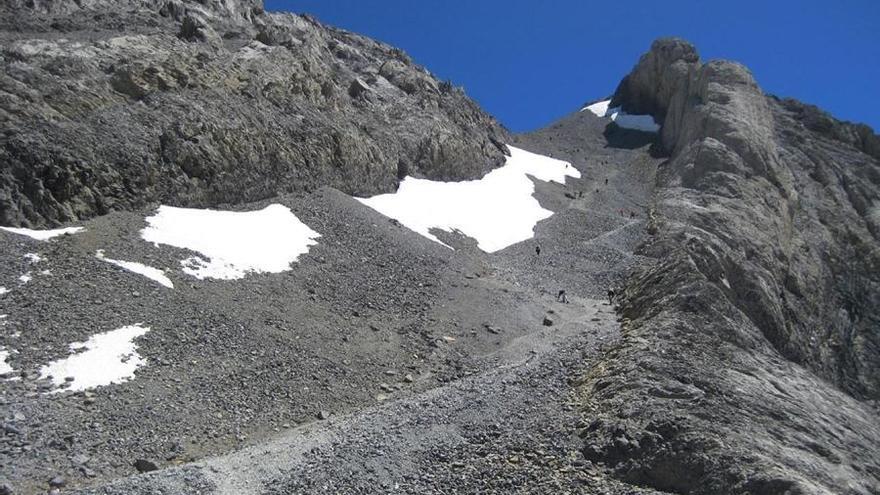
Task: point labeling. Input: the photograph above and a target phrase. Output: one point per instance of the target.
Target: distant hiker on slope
(611, 296)
(560, 297)
(537, 250)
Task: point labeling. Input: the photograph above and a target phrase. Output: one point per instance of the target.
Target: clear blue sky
(530, 62)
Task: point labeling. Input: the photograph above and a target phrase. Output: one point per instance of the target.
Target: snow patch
(600, 108)
(105, 358)
(497, 210)
(151, 273)
(25, 278)
(628, 121)
(3, 290)
(42, 235)
(234, 243)
(4, 366)
(33, 257)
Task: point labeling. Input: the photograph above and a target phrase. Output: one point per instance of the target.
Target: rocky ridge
(750, 361)
(112, 106)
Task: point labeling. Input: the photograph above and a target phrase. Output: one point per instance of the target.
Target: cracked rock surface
(108, 106)
(751, 357)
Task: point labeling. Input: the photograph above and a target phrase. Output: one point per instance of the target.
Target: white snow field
(42, 235)
(497, 210)
(105, 358)
(637, 122)
(151, 273)
(233, 243)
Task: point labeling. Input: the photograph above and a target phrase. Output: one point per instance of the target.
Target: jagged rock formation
(751, 355)
(109, 105)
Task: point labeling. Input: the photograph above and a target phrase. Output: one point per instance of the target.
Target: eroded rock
(203, 103)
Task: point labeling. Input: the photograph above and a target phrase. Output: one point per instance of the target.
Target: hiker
(606, 181)
(561, 297)
(611, 296)
(537, 250)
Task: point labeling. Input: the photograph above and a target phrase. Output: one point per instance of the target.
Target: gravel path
(509, 428)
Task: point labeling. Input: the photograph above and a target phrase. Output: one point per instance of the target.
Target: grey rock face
(116, 105)
(759, 326)
(649, 88)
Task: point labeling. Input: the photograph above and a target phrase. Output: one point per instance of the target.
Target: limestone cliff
(752, 358)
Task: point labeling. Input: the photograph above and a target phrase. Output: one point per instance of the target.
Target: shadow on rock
(628, 139)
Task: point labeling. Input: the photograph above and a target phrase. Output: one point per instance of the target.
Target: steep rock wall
(116, 105)
(751, 359)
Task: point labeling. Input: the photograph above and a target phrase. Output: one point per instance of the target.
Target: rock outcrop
(751, 362)
(109, 105)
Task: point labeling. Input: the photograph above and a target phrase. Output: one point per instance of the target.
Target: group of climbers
(561, 295)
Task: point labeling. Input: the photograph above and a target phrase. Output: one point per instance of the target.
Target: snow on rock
(4, 366)
(105, 358)
(497, 210)
(151, 273)
(637, 122)
(33, 257)
(233, 243)
(42, 235)
(27, 277)
(600, 108)
(3, 290)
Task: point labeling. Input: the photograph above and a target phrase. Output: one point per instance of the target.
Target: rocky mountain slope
(380, 359)
(743, 355)
(114, 105)
(751, 355)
